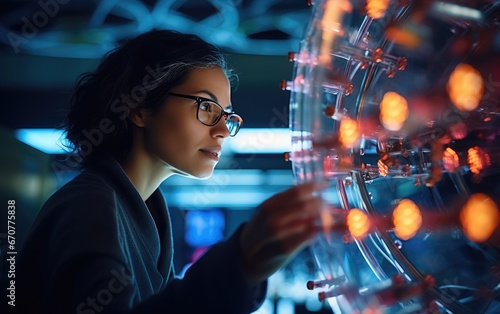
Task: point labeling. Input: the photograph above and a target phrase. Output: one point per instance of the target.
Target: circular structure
(397, 105)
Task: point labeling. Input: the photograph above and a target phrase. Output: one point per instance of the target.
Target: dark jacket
(96, 248)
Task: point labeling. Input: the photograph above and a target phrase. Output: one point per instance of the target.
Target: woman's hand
(281, 226)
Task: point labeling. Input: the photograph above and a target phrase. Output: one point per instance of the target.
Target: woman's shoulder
(87, 183)
(99, 189)
(83, 203)
(88, 190)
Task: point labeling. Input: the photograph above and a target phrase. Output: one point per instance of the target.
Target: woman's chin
(201, 175)
(205, 176)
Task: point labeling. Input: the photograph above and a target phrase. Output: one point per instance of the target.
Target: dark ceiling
(45, 45)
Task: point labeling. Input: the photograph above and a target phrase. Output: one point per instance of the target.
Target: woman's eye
(206, 106)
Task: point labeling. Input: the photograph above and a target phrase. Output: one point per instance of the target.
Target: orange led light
(479, 217)
(332, 27)
(403, 37)
(407, 219)
(349, 132)
(393, 111)
(326, 220)
(465, 87)
(477, 159)
(376, 8)
(358, 223)
(450, 160)
(383, 169)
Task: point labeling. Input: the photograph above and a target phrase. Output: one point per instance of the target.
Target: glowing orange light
(326, 220)
(383, 169)
(403, 37)
(378, 55)
(465, 87)
(358, 223)
(332, 27)
(450, 160)
(407, 219)
(479, 217)
(393, 111)
(376, 8)
(349, 132)
(477, 159)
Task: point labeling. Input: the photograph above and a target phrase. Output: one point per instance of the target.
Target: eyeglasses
(209, 112)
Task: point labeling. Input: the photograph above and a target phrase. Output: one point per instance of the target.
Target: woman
(158, 105)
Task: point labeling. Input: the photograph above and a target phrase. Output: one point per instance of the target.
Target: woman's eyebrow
(214, 98)
(210, 94)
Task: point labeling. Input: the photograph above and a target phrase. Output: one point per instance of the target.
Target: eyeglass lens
(209, 113)
(233, 124)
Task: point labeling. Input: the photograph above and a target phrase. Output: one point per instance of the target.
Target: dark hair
(139, 72)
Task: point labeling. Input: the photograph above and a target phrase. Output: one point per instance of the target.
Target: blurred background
(45, 45)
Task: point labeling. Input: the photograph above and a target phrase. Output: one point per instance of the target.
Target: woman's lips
(211, 153)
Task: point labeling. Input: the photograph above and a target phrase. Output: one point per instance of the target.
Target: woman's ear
(137, 117)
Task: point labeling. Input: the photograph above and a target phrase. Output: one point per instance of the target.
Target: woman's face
(177, 138)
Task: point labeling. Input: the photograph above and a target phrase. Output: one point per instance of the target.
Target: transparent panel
(397, 105)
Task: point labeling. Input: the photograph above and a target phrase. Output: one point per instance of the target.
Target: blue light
(48, 141)
(260, 141)
(248, 141)
(204, 227)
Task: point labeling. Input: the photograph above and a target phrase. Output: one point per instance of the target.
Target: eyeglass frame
(199, 100)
